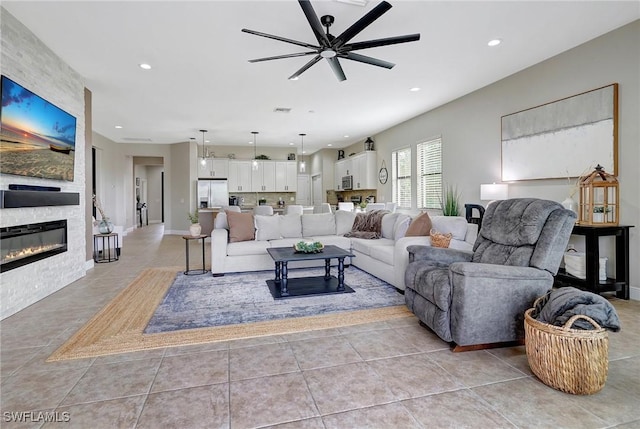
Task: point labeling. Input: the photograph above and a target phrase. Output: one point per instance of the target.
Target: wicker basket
(571, 360)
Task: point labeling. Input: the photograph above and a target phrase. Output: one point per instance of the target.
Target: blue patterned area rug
(237, 298)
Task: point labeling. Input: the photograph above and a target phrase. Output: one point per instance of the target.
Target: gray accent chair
(476, 299)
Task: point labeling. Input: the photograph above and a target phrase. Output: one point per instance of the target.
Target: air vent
(282, 109)
(136, 139)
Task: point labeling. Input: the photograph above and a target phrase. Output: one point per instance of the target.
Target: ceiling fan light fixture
(328, 53)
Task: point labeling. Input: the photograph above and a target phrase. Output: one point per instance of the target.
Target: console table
(618, 284)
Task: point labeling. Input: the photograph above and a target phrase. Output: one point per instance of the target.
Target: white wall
(26, 60)
(470, 126)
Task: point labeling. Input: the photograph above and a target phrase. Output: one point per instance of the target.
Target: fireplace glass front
(24, 244)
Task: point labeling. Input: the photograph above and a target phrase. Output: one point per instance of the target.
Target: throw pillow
(401, 226)
(420, 226)
(318, 224)
(344, 221)
(440, 240)
(388, 225)
(290, 226)
(241, 226)
(267, 227)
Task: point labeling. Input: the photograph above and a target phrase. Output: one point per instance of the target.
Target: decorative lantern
(599, 199)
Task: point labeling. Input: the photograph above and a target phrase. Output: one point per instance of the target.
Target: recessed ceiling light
(494, 42)
(346, 136)
(290, 144)
(145, 66)
(250, 142)
(414, 89)
(119, 126)
(329, 145)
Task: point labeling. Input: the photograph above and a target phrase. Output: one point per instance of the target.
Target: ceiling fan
(333, 47)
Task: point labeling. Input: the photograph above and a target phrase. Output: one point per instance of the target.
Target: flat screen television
(37, 138)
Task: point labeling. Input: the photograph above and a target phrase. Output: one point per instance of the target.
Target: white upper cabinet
(239, 176)
(362, 167)
(217, 168)
(263, 179)
(286, 176)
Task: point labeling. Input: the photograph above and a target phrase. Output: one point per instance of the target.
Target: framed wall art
(563, 138)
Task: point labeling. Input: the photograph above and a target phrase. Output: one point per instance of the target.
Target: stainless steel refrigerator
(213, 193)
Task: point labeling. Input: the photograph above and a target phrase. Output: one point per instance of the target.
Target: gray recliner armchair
(477, 299)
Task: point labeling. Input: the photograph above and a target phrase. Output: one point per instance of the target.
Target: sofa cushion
(290, 226)
(248, 248)
(364, 245)
(383, 253)
(335, 240)
(419, 226)
(267, 227)
(344, 221)
(402, 224)
(241, 226)
(220, 221)
(456, 225)
(388, 225)
(318, 224)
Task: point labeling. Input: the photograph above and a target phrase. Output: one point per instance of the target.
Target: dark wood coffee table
(284, 287)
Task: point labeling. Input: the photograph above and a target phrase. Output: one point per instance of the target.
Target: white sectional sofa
(385, 258)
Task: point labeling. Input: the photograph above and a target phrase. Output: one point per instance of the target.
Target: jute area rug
(119, 327)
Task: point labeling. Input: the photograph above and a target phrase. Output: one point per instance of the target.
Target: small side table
(108, 244)
(187, 271)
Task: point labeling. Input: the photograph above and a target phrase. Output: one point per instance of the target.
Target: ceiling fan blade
(337, 68)
(305, 67)
(380, 42)
(361, 24)
(281, 39)
(278, 57)
(314, 22)
(367, 60)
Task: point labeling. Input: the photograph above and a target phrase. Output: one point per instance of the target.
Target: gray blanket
(559, 305)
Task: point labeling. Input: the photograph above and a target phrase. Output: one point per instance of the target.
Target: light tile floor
(379, 375)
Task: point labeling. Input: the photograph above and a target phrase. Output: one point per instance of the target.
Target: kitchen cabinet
(342, 168)
(264, 178)
(286, 175)
(239, 177)
(364, 170)
(215, 168)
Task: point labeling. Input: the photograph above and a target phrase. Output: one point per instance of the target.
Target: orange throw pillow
(241, 226)
(420, 226)
(440, 240)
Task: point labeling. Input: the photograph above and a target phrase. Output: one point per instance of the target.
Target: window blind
(429, 170)
(401, 177)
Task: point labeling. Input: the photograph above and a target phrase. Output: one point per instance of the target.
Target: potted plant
(195, 229)
(450, 201)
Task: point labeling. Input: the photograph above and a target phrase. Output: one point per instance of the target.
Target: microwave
(347, 183)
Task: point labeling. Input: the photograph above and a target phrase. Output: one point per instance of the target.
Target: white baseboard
(89, 264)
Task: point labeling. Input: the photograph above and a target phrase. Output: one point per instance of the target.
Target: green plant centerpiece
(308, 247)
(601, 209)
(450, 201)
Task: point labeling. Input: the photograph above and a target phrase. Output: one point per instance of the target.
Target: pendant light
(303, 166)
(254, 164)
(203, 161)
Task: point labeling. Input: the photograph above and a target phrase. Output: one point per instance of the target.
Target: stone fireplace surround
(25, 59)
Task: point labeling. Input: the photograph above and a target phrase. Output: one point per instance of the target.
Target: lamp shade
(494, 191)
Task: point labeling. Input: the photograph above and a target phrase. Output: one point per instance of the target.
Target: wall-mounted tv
(37, 138)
